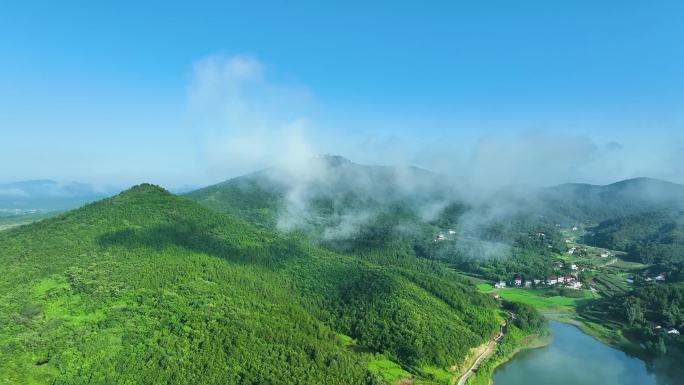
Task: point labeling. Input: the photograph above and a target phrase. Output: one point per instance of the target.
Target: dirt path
(608, 263)
(490, 348)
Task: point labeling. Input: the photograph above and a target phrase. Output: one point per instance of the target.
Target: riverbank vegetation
(528, 329)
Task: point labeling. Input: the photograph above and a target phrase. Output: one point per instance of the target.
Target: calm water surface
(573, 358)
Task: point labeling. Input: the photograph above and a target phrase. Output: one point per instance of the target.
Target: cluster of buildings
(442, 237)
(658, 278)
(670, 332)
(568, 281)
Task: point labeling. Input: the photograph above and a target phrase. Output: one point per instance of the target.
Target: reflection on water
(574, 358)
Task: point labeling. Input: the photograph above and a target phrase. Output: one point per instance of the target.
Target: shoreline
(529, 342)
(465, 367)
(599, 332)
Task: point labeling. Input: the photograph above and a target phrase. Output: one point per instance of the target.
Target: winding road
(490, 348)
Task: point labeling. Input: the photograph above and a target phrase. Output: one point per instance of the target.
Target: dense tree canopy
(147, 287)
(652, 237)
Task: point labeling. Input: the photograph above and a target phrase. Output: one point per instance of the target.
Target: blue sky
(121, 93)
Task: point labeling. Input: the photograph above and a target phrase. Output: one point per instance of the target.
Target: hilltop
(329, 186)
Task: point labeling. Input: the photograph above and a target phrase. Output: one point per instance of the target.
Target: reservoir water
(573, 358)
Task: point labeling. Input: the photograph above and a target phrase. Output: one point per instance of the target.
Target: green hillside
(391, 214)
(332, 192)
(651, 237)
(147, 287)
(581, 202)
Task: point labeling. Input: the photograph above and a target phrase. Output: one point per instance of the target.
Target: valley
(12, 218)
(341, 193)
(349, 283)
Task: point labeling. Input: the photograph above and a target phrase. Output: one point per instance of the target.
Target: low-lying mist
(252, 121)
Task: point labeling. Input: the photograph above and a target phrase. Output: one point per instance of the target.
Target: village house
(660, 277)
(572, 250)
(440, 237)
(500, 285)
(605, 254)
(569, 278)
(528, 284)
(672, 332)
(552, 280)
(518, 281)
(561, 279)
(452, 232)
(537, 281)
(573, 266)
(575, 285)
(574, 228)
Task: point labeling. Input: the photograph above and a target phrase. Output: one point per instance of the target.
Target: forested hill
(337, 194)
(580, 202)
(651, 237)
(147, 288)
(375, 212)
(326, 192)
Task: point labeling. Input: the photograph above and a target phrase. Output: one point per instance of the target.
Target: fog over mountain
(357, 193)
(336, 199)
(250, 119)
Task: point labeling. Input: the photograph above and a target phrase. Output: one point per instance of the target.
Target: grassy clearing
(485, 287)
(346, 340)
(539, 300)
(435, 376)
(629, 265)
(392, 373)
(388, 369)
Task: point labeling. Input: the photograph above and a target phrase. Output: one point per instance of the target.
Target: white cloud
(252, 119)
(249, 120)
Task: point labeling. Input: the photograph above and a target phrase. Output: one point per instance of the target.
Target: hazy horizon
(531, 93)
(109, 187)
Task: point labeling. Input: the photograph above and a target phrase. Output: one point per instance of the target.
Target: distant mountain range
(580, 201)
(203, 287)
(340, 186)
(333, 186)
(49, 195)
